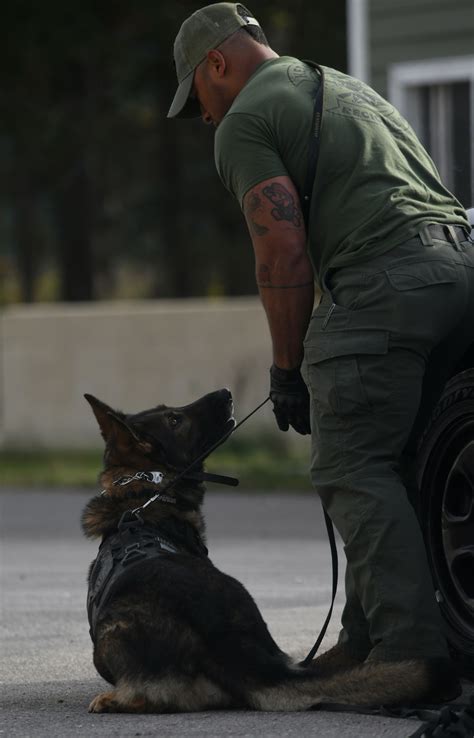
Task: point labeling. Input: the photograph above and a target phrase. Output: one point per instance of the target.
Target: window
(437, 98)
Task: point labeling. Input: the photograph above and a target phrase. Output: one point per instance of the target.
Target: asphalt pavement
(274, 543)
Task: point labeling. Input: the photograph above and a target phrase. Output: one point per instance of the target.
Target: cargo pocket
(421, 274)
(333, 369)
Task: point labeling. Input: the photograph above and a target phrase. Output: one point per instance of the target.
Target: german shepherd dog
(171, 632)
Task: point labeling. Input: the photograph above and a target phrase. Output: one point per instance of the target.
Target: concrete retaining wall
(132, 355)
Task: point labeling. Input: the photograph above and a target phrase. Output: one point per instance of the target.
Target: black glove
(290, 398)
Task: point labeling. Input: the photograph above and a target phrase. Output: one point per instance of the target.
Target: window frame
(405, 78)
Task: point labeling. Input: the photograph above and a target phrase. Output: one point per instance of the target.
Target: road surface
(274, 543)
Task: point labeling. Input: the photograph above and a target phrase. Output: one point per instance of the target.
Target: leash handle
(334, 560)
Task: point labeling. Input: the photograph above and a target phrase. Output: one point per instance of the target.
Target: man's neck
(254, 61)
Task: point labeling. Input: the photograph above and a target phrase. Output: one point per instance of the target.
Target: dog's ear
(114, 427)
(103, 414)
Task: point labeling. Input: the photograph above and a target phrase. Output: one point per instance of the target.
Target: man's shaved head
(219, 78)
(200, 33)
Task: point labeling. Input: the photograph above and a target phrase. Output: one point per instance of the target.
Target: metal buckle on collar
(155, 477)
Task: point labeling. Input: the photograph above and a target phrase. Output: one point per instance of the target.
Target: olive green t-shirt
(375, 185)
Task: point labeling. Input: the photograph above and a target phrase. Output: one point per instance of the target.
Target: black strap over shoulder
(313, 150)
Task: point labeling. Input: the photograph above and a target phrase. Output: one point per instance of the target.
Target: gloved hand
(290, 398)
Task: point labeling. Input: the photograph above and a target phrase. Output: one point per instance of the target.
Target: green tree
(96, 174)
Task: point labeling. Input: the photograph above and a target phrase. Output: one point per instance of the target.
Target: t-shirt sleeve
(246, 153)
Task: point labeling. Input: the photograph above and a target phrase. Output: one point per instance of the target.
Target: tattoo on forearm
(253, 205)
(285, 206)
(264, 280)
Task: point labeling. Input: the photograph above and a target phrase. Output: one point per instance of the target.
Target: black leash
(334, 561)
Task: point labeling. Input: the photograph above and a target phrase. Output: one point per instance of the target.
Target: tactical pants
(379, 348)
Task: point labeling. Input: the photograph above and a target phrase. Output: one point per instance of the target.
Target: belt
(451, 233)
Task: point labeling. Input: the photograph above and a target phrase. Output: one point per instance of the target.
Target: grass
(265, 462)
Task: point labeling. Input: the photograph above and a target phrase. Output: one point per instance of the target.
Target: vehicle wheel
(445, 474)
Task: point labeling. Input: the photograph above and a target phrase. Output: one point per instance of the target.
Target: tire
(445, 475)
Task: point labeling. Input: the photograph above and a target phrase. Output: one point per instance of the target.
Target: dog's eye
(173, 420)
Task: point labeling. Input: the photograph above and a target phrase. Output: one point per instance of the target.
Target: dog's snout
(226, 398)
(222, 397)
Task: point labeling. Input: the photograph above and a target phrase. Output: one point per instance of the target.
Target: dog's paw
(104, 702)
(116, 701)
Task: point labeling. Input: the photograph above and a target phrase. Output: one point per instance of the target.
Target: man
(388, 246)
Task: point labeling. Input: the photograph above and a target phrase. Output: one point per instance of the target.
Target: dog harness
(134, 542)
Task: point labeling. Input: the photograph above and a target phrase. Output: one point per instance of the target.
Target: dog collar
(156, 477)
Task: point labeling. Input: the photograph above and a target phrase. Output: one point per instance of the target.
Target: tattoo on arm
(254, 204)
(264, 280)
(284, 202)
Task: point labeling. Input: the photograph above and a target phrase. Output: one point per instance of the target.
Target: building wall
(131, 355)
(409, 30)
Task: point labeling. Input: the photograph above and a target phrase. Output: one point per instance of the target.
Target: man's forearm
(286, 286)
(284, 272)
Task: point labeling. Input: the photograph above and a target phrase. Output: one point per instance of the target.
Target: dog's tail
(376, 683)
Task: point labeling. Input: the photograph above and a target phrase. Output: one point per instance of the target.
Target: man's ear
(216, 62)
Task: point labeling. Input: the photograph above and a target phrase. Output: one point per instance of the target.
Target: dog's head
(173, 436)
